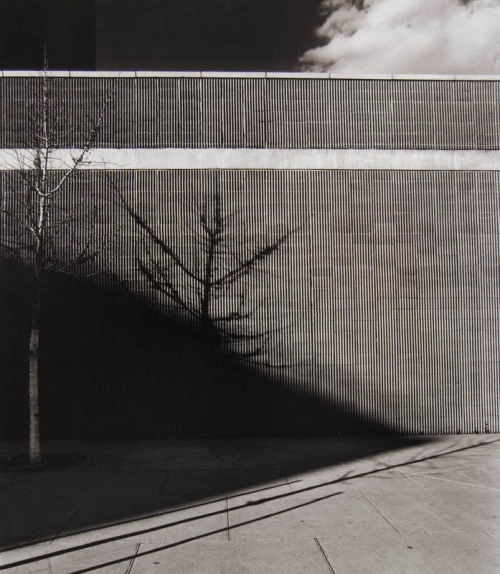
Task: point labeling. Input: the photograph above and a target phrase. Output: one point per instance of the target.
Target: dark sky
(66, 26)
(237, 35)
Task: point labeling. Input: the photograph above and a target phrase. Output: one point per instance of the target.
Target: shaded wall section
(111, 367)
(384, 305)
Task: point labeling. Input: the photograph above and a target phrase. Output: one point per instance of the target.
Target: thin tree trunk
(207, 286)
(34, 440)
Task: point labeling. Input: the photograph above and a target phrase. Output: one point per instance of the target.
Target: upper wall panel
(263, 112)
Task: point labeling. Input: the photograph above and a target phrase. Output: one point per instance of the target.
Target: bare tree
(41, 227)
(214, 277)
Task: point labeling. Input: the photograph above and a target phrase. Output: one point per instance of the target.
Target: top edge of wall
(284, 75)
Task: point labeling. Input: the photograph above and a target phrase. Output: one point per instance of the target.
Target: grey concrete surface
(338, 505)
(225, 74)
(220, 158)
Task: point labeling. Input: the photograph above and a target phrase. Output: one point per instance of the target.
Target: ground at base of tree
(21, 463)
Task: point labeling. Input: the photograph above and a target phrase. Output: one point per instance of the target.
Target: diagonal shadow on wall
(113, 369)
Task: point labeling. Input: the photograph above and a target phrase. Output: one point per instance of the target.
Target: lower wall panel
(382, 307)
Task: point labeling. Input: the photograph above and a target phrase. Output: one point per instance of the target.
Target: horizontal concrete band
(201, 74)
(112, 159)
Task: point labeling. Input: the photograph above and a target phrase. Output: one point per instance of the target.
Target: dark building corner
(66, 28)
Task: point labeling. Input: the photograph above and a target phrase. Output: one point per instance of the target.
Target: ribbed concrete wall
(385, 299)
(267, 112)
(383, 303)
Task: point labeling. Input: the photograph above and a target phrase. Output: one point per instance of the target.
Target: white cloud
(409, 36)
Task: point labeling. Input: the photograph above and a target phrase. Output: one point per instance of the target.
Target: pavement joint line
(407, 476)
(131, 563)
(479, 485)
(37, 486)
(7, 486)
(325, 556)
(473, 479)
(164, 483)
(285, 477)
(492, 536)
(227, 519)
(381, 513)
(68, 521)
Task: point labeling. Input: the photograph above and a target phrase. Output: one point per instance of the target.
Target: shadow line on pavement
(174, 544)
(116, 538)
(143, 517)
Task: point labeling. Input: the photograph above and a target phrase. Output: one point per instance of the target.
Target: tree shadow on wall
(113, 369)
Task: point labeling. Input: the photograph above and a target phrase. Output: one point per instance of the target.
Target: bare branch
(167, 289)
(164, 248)
(234, 316)
(223, 253)
(247, 266)
(78, 160)
(36, 220)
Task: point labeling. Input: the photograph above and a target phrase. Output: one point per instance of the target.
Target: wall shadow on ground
(112, 369)
(175, 482)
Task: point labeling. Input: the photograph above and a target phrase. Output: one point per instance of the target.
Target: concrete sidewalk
(342, 505)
